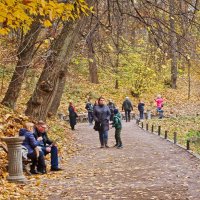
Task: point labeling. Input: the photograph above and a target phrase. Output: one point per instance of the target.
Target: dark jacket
(89, 107)
(111, 107)
(101, 116)
(127, 105)
(117, 121)
(44, 136)
(141, 106)
(29, 142)
(72, 116)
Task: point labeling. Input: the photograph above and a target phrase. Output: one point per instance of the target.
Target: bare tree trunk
(93, 75)
(173, 45)
(54, 71)
(189, 77)
(56, 100)
(117, 68)
(62, 79)
(25, 55)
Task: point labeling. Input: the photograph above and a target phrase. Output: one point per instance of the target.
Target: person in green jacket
(117, 123)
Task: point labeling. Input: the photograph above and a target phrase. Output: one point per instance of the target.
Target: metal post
(142, 124)
(175, 137)
(147, 126)
(166, 134)
(159, 130)
(15, 168)
(152, 127)
(188, 144)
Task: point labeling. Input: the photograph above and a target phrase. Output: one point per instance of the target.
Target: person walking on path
(101, 115)
(141, 109)
(118, 127)
(47, 146)
(127, 107)
(72, 115)
(159, 104)
(111, 106)
(89, 108)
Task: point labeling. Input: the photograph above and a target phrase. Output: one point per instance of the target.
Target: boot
(42, 170)
(33, 170)
(106, 144)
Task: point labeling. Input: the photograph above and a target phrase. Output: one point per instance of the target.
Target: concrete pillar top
(10, 140)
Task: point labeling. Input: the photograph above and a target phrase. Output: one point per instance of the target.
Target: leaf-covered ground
(78, 89)
(148, 167)
(10, 123)
(186, 127)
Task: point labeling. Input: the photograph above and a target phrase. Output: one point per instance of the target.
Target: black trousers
(127, 115)
(40, 162)
(118, 136)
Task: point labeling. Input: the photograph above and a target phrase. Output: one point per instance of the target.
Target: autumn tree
(30, 17)
(54, 71)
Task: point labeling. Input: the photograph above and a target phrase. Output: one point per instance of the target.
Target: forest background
(59, 51)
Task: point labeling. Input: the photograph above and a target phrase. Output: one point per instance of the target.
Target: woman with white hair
(127, 107)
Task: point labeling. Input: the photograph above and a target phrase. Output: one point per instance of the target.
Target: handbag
(97, 126)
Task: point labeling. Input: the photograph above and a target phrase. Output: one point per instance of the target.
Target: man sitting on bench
(46, 145)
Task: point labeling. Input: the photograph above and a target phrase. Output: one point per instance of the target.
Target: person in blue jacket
(34, 154)
(141, 109)
(89, 108)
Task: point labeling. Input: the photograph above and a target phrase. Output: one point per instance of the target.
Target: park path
(148, 167)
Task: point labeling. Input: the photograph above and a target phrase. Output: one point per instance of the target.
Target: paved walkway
(148, 167)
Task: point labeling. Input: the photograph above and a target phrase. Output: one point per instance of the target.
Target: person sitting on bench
(46, 145)
(36, 156)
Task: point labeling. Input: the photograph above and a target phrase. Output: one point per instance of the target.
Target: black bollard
(188, 144)
(159, 130)
(175, 137)
(152, 127)
(166, 134)
(147, 126)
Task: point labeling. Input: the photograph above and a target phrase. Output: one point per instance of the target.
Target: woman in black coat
(72, 115)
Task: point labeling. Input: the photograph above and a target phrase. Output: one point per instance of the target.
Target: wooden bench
(26, 165)
(81, 117)
(3, 147)
(132, 115)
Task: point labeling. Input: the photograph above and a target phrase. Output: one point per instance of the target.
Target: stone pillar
(15, 168)
(148, 114)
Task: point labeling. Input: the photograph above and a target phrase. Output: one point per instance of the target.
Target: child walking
(118, 127)
(141, 109)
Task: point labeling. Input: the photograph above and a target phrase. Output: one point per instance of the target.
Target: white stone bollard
(148, 114)
(15, 167)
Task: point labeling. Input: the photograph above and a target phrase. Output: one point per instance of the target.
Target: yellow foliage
(21, 13)
(47, 23)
